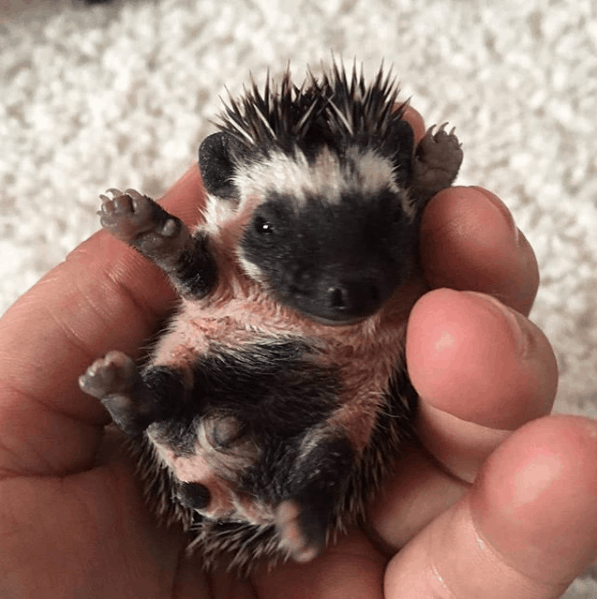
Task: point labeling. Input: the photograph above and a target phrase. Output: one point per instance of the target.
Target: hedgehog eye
(263, 226)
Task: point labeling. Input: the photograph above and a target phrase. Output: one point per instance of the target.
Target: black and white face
(331, 237)
(329, 227)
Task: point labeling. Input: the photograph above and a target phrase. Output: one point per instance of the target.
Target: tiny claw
(114, 191)
(170, 228)
(106, 208)
(442, 127)
(134, 194)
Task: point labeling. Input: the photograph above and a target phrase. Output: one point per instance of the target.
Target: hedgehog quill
(271, 409)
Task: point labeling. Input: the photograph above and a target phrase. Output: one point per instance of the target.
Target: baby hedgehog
(274, 404)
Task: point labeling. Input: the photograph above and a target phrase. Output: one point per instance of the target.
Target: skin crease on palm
(501, 502)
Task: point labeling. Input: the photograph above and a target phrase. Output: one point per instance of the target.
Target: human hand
(72, 521)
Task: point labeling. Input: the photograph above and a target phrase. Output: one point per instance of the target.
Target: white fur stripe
(362, 171)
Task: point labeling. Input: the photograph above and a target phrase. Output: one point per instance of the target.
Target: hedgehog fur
(274, 405)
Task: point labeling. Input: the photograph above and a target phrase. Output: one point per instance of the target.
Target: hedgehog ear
(218, 159)
(399, 147)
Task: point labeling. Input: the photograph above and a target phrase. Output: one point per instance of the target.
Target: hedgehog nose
(354, 298)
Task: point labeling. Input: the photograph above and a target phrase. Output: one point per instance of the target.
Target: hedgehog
(274, 404)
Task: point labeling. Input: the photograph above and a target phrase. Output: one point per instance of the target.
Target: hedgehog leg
(142, 223)
(134, 401)
(304, 518)
(438, 157)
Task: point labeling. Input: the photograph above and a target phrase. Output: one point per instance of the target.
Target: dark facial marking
(336, 263)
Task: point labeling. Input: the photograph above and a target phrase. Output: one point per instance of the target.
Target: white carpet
(120, 95)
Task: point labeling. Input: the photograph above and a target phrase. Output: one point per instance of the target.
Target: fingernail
(520, 327)
(502, 208)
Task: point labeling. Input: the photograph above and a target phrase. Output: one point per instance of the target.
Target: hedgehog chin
(335, 322)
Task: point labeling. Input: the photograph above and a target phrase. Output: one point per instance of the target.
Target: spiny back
(339, 107)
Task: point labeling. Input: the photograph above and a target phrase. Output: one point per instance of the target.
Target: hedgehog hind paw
(301, 532)
(114, 373)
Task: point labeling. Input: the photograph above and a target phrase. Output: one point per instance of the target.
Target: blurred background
(119, 94)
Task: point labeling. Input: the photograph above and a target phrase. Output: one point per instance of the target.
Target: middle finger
(481, 370)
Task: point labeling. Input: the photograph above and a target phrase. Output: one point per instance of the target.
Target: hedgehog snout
(354, 297)
(339, 299)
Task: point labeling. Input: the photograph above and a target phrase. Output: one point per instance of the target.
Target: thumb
(525, 529)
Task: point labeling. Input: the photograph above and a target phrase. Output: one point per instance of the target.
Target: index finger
(469, 242)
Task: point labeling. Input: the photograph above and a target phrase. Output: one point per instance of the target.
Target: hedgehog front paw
(137, 219)
(437, 160)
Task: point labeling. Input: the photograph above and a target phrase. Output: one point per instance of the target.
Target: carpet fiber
(120, 94)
